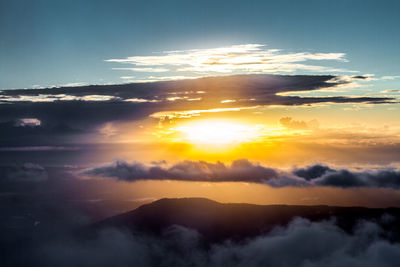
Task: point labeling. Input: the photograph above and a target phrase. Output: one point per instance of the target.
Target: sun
(217, 132)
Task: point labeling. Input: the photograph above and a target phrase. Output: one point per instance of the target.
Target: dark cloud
(360, 77)
(312, 172)
(245, 171)
(73, 111)
(328, 246)
(343, 178)
(240, 171)
(302, 243)
(27, 172)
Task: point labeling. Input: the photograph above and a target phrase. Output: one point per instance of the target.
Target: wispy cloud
(72, 84)
(164, 78)
(144, 69)
(141, 100)
(55, 97)
(389, 77)
(393, 91)
(247, 58)
(32, 122)
(194, 113)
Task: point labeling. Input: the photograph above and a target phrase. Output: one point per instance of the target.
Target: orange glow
(218, 132)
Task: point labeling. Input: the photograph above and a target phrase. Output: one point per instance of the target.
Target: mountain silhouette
(219, 221)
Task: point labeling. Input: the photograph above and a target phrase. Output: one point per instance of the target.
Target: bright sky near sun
(192, 90)
(351, 87)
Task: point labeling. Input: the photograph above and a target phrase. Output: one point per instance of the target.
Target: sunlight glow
(218, 132)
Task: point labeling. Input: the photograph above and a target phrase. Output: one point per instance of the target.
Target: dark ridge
(219, 221)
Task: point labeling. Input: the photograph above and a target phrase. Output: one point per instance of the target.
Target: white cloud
(72, 84)
(389, 77)
(248, 58)
(163, 78)
(56, 97)
(228, 101)
(141, 100)
(143, 69)
(195, 113)
(32, 122)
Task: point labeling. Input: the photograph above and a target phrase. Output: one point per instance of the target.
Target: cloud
(360, 77)
(247, 58)
(144, 69)
(312, 172)
(40, 148)
(302, 243)
(390, 77)
(260, 89)
(31, 122)
(329, 246)
(72, 84)
(127, 77)
(55, 97)
(240, 170)
(193, 113)
(150, 79)
(289, 123)
(391, 91)
(141, 100)
(344, 178)
(228, 101)
(245, 171)
(325, 176)
(27, 172)
(371, 77)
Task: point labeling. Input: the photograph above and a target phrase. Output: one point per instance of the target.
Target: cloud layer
(302, 243)
(245, 171)
(70, 112)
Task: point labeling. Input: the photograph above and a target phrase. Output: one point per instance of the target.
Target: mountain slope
(218, 221)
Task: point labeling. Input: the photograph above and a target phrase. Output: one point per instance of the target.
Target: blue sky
(59, 42)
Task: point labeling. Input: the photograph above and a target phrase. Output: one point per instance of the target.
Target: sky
(46, 43)
(109, 105)
(185, 98)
